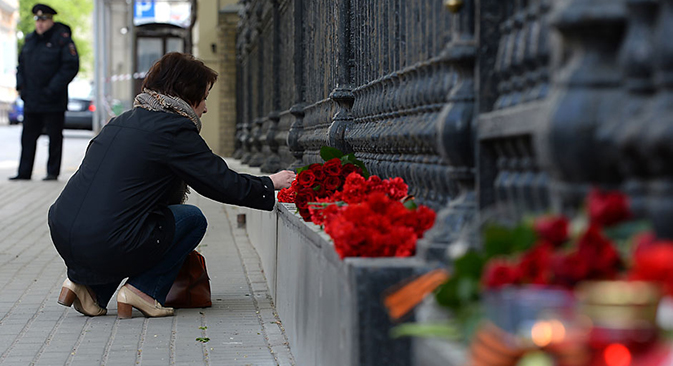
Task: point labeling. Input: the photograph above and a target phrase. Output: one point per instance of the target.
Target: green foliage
(203, 339)
(77, 14)
(622, 234)
(461, 291)
(410, 204)
(350, 158)
(463, 286)
(329, 153)
(501, 240)
(627, 230)
(470, 265)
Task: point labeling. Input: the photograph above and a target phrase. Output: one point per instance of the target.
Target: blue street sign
(144, 10)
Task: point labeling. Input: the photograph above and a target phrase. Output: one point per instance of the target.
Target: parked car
(80, 106)
(16, 112)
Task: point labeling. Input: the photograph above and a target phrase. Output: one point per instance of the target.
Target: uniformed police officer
(47, 63)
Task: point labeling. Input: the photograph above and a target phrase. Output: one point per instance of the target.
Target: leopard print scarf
(154, 101)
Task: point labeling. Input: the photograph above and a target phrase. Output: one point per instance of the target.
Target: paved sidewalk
(242, 325)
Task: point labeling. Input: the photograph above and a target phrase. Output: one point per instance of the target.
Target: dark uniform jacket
(47, 64)
(111, 221)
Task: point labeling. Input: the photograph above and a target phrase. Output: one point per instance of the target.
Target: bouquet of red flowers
(319, 182)
(547, 251)
(365, 216)
(371, 220)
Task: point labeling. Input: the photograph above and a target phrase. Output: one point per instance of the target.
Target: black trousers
(33, 124)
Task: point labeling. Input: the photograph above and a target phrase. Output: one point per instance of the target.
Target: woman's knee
(189, 215)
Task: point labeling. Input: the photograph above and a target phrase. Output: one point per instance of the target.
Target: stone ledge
(331, 309)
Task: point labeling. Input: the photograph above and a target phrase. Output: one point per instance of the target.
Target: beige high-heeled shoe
(127, 300)
(72, 293)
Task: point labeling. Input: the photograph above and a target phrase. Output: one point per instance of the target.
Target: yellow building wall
(208, 48)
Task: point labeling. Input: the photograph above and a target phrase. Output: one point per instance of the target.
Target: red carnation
(421, 219)
(306, 178)
(552, 228)
(354, 188)
(425, 219)
(655, 263)
(321, 214)
(607, 208)
(332, 167)
(396, 188)
(286, 195)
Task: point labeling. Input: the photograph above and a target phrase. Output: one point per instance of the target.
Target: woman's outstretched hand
(282, 179)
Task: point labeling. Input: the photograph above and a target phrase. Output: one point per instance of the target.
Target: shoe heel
(67, 297)
(124, 311)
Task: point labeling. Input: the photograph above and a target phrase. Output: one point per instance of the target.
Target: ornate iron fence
(478, 108)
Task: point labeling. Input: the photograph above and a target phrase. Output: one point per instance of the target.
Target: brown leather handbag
(191, 288)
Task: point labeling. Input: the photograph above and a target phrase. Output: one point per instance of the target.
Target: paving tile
(240, 324)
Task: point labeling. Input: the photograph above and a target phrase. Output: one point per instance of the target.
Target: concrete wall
(331, 309)
(264, 228)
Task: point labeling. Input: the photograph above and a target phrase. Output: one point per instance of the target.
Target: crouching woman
(115, 218)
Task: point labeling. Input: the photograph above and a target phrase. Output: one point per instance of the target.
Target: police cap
(41, 9)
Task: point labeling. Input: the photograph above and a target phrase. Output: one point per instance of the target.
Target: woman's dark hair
(180, 75)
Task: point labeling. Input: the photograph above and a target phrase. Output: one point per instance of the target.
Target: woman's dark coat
(111, 221)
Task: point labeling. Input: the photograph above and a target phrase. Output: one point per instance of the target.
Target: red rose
(499, 273)
(305, 214)
(306, 178)
(320, 191)
(552, 228)
(303, 197)
(569, 269)
(607, 208)
(332, 183)
(535, 265)
(599, 253)
(347, 169)
(332, 167)
(295, 185)
(317, 171)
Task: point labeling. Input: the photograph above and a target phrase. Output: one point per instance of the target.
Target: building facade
(9, 15)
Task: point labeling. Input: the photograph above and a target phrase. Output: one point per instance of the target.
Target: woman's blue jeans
(190, 227)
